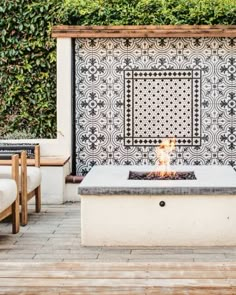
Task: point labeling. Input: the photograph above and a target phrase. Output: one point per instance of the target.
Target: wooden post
(23, 195)
(38, 199)
(37, 155)
(38, 189)
(15, 205)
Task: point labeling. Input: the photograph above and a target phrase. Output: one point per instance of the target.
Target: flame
(163, 157)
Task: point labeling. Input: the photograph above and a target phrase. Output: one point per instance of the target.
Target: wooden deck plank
(64, 282)
(118, 291)
(136, 274)
(116, 266)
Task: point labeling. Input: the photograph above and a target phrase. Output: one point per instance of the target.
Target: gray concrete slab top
(113, 180)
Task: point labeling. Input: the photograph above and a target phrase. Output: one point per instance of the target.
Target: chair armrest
(37, 155)
(14, 163)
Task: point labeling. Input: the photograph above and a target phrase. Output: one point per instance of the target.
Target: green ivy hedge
(28, 56)
(137, 12)
(28, 68)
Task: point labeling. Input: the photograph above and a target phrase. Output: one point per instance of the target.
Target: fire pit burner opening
(178, 175)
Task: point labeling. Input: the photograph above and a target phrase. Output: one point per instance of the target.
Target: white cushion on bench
(33, 176)
(8, 191)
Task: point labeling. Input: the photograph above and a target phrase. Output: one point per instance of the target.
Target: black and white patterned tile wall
(132, 93)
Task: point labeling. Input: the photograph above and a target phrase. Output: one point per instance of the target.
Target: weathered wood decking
(118, 278)
(46, 258)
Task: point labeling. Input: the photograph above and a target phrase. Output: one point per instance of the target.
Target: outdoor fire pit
(156, 175)
(118, 211)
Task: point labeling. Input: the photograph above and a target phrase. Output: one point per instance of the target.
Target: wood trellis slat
(149, 31)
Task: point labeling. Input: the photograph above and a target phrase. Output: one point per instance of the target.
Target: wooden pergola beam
(149, 31)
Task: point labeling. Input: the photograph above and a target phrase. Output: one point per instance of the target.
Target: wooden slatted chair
(30, 176)
(9, 193)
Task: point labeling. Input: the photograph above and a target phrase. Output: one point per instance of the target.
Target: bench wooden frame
(24, 195)
(13, 209)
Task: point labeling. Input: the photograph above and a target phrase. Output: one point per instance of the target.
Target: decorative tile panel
(131, 93)
(161, 104)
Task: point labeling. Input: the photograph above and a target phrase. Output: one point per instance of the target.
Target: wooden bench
(54, 171)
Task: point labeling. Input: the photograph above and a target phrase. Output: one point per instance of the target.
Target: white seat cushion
(8, 191)
(33, 176)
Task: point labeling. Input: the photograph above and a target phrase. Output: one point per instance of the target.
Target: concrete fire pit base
(202, 213)
(139, 220)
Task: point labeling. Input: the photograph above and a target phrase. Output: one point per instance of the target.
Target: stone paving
(54, 235)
